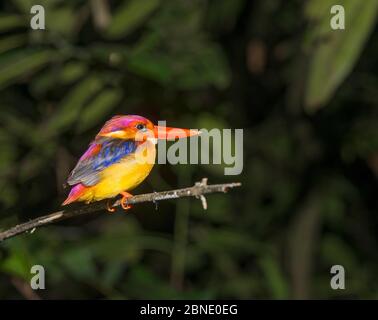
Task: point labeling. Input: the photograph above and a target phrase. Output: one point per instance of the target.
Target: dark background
(305, 95)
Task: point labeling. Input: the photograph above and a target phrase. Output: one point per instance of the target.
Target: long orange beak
(168, 133)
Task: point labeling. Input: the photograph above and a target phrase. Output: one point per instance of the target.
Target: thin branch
(24, 289)
(101, 13)
(198, 191)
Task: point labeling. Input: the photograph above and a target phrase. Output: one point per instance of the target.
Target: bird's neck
(145, 152)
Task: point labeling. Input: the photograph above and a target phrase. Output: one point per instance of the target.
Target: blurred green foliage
(308, 199)
(335, 52)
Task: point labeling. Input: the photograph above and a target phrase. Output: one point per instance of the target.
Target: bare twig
(198, 191)
(101, 13)
(24, 289)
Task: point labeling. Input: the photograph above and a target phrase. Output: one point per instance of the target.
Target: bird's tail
(75, 193)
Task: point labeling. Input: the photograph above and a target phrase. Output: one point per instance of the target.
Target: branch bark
(198, 191)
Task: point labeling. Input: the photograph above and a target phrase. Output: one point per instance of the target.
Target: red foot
(110, 209)
(125, 196)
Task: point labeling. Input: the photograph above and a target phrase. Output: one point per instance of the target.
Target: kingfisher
(119, 158)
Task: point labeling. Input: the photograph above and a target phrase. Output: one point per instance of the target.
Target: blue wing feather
(98, 158)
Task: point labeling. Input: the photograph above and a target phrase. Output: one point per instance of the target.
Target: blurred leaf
(22, 63)
(223, 13)
(361, 139)
(335, 51)
(112, 273)
(71, 106)
(79, 262)
(143, 282)
(8, 22)
(61, 20)
(33, 163)
(130, 16)
(25, 5)
(58, 76)
(185, 70)
(110, 54)
(108, 248)
(8, 150)
(225, 240)
(8, 155)
(72, 71)
(8, 193)
(94, 112)
(11, 42)
(206, 66)
(243, 285)
(335, 251)
(210, 121)
(219, 209)
(275, 278)
(17, 263)
(18, 127)
(154, 66)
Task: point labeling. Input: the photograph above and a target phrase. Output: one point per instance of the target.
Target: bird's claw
(125, 196)
(124, 205)
(109, 208)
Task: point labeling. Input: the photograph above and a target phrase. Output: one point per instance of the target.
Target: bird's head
(133, 127)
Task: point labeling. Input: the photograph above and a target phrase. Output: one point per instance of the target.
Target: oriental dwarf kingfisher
(119, 158)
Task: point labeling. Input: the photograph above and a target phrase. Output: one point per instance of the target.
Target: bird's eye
(140, 126)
